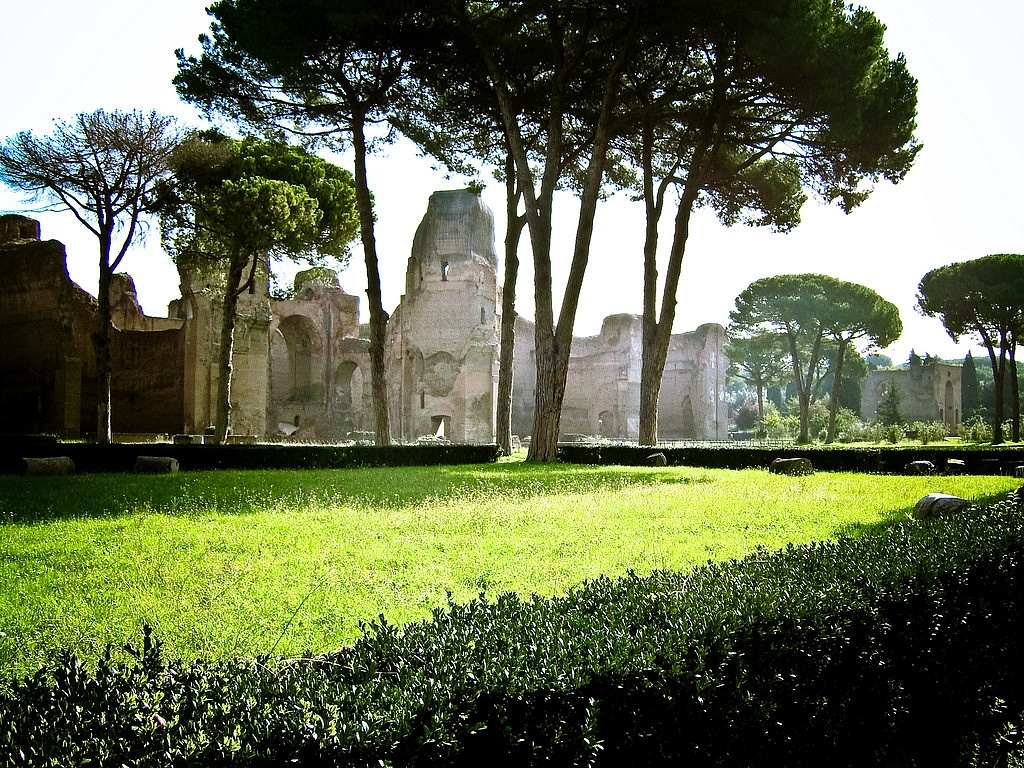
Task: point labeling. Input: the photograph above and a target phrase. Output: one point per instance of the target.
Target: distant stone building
(443, 337)
(602, 395)
(301, 366)
(928, 391)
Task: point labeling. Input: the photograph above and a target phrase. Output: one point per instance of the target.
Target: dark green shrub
(90, 457)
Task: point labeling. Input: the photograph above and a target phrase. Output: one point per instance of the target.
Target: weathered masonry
(301, 366)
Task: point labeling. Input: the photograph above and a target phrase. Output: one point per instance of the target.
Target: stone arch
(295, 366)
(606, 424)
(348, 395)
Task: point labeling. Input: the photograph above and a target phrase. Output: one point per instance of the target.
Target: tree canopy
(984, 296)
(233, 204)
(101, 166)
(745, 108)
(820, 317)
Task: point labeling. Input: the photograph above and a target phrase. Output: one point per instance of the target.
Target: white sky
(962, 199)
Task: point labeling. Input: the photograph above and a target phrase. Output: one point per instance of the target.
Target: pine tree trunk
(1015, 389)
(650, 392)
(548, 399)
(222, 415)
(507, 341)
(652, 366)
(378, 317)
(804, 399)
(761, 432)
(837, 388)
(101, 347)
(998, 374)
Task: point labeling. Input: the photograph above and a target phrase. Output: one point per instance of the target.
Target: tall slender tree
(731, 118)
(233, 205)
(101, 166)
(329, 72)
(576, 55)
(970, 392)
(760, 360)
(983, 296)
(856, 313)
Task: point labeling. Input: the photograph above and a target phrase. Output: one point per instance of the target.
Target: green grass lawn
(245, 563)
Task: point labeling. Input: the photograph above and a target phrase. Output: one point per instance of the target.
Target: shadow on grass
(28, 500)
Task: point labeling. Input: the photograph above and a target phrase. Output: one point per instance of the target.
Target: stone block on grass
(937, 504)
(156, 465)
(48, 465)
(800, 466)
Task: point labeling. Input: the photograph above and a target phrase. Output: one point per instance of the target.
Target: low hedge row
(900, 648)
(120, 457)
(834, 459)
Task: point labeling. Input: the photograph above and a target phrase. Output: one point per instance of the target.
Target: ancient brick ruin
(301, 366)
(927, 392)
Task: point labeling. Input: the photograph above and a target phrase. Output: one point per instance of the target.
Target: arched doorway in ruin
(949, 410)
(441, 424)
(295, 369)
(348, 396)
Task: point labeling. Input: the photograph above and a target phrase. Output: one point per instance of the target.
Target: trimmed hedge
(736, 456)
(899, 648)
(120, 457)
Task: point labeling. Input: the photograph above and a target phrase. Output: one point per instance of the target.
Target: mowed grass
(287, 562)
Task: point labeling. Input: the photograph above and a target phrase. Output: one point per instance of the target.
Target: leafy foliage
(984, 297)
(818, 318)
(253, 197)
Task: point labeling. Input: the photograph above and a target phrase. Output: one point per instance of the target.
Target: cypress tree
(970, 391)
(889, 404)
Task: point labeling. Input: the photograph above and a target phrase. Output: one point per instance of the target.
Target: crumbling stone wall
(45, 347)
(602, 396)
(47, 362)
(301, 366)
(928, 392)
(443, 338)
(318, 366)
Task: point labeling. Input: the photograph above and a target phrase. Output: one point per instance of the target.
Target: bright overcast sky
(962, 199)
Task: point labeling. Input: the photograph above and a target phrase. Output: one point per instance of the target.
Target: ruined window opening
(444, 271)
(423, 399)
(482, 320)
(296, 422)
(441, 425)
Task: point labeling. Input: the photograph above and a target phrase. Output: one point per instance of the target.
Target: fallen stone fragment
(801, 466)
(936, 504)
(48, 465)
(920, 468)
(156, 465)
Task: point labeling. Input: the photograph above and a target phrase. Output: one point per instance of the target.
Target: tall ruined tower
(443, 337)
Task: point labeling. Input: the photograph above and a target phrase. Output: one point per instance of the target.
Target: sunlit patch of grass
(246, 563)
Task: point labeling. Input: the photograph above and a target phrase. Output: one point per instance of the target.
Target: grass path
(245, 563)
